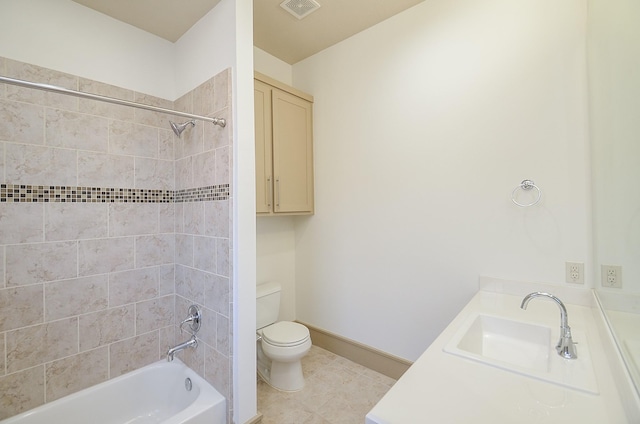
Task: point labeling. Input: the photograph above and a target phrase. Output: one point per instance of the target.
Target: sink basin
(524, 348)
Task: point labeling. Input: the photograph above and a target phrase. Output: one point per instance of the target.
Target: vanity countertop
(441, 387)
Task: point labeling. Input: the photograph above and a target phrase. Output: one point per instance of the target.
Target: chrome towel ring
(526, 185)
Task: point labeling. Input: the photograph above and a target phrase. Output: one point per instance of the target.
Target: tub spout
(192, 342)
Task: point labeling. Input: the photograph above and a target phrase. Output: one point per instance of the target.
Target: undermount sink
(523, 348)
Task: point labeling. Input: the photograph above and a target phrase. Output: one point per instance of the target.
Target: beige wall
(90, 290)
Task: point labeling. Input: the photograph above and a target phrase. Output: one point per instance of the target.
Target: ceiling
(276, 31)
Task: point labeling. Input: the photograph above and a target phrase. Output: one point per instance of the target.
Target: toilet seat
(285, 334)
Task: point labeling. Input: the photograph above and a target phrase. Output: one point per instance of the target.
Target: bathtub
(154, 394)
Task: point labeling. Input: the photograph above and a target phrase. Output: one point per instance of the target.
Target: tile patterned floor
(337, 391)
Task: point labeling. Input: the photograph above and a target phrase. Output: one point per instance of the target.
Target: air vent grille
(300, 8)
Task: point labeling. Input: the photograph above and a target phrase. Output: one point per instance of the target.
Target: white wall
(614, 60)
(46, 33)
(272, 66)
(423, 126)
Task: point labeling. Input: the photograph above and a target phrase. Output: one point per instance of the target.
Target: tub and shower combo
(161, 393)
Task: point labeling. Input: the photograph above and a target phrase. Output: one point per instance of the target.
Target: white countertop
(444, 388)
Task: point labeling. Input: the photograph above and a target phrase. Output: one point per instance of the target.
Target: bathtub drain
(188, 384)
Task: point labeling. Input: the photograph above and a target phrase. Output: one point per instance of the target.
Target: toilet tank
(267, 304)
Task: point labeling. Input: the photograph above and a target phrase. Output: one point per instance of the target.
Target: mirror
(614, 96)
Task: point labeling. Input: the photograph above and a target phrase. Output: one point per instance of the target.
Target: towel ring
(526, 185)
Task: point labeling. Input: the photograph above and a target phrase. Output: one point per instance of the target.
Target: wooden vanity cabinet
(284, 148)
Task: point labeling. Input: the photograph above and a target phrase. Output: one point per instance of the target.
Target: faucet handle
(194, 319)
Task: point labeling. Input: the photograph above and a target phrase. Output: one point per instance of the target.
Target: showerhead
(178, 128)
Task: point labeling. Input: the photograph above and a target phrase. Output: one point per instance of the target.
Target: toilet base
(283, 376)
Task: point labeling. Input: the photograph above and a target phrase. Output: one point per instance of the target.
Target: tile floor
(337, 391)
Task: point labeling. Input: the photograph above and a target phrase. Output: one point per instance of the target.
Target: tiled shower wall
(110, 227)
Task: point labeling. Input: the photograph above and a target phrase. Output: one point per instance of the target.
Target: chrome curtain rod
(55, 89)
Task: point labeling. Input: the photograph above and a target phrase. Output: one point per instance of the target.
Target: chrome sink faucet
(565, 347)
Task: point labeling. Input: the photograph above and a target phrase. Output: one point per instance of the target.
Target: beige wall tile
(204, 167)
(74, 297)
(39, 165)
(133, 286)
(131, 354)
(204, 253)
(191, 141)
(155, 314)
(217, 371)
(77, 372)
(30, 346)
(154, 174)
(155, 250)
(208, 332)
(203, 98)
(194, 218)
(21, 307)
(184, 249)
(166, 145)
(40, 262)
(190, 284)
(104, 327)
(107, 110)
(127, 138)
(27, 391)
(147, 117)
(71, 221)
(192, 357)
(217, 218)
(167, 218)
(184, 173)
(167, 340)
(223, 336)
(2, 262)
(100, 256)
(216, 136)
(102, 170)
(222, 257)
(37, 74)
(21, 122)
(2, 148)
(222, 90)
(3, 362)
(21, 222)
(166, 277)
(76, 130)
(128, 219)
(217, 294)
(223, 166)
(183, 104)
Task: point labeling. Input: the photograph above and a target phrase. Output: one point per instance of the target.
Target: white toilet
(281, 345)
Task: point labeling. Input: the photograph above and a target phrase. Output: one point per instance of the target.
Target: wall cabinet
(284, 148)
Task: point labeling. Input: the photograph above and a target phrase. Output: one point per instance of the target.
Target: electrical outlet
(574, 272)
(612, 276)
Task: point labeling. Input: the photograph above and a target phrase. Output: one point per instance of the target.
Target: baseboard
(255, 420)
(377, 360)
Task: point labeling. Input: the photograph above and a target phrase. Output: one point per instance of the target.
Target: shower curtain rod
(46, 87)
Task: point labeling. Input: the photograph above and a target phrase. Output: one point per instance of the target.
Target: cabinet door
(264, 175)
(292, 153)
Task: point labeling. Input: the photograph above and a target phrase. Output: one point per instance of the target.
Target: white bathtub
(153, 394)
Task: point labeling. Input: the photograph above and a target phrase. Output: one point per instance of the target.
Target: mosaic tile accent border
(21, 193)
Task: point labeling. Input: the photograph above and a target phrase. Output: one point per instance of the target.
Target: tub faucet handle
(194, 319)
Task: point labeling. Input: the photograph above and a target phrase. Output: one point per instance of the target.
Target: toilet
(281, 345)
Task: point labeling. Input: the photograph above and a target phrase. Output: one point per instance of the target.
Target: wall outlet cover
(574, 272)
(611, 276)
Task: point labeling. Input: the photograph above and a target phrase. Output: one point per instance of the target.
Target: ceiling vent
(300, 8)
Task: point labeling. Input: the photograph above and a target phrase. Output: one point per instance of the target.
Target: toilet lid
(285, 333)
